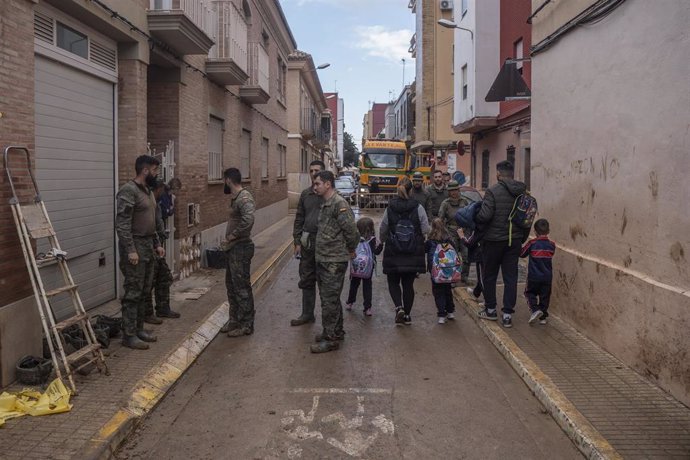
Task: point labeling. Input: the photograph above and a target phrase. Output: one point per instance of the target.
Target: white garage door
(75, 172)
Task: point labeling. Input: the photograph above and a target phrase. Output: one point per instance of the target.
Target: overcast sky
(364, 41)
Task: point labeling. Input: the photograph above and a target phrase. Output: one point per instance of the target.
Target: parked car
(346, 189)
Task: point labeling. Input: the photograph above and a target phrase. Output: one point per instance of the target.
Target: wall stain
(654, 184)
(576, 230)
(625, 220)
(627, 261)
(677, 252)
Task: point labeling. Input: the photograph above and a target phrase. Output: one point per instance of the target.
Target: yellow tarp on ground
(55, 400)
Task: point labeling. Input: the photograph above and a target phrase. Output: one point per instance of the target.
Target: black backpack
(403, 237)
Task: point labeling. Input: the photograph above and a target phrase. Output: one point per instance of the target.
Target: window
(282, 159)
(264, 158)
(303, 161)
(510, 154)
(464, 82)
(246, 154)
(282, 80)
(485, 169)
(215, 149)
(518, 52)
(72, 41)
(463, 7)
(527, 167)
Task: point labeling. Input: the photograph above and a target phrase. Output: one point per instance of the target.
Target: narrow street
(422, 391)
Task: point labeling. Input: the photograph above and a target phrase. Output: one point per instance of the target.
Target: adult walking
(239, 250)
(402, 230)
(336, 241)
(446, 213)
(497, 253)
(419, 192)
(437, 194)
(304, 236)
(135, 223)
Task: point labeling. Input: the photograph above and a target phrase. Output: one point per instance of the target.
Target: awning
(422, 145)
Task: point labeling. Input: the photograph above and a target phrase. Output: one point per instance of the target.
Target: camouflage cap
(453, 185)
(417, 176)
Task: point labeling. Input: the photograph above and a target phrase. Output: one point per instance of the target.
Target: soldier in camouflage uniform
(419, 192)
(304, 234)
(239, 250)
(162, 277)
(336, 241)
(446, 213)
(437, 193)
(135, 224)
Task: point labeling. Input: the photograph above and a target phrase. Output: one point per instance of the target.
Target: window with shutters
(215, 149)
(510, 154)
(485, 169)
(246, 154)
(282, 161)
(264, 158)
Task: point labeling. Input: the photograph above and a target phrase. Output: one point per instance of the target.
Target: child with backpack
(363, 265)
(540, 272)
(445, 266)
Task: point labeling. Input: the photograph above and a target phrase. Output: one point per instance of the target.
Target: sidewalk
(607, 409)
(105, 403)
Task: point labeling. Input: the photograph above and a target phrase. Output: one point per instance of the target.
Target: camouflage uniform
(447, 212)
(421, 195)
(336, 239)
(135, 224)
(162, 277)
(239, 249)
(304, 234)
(436, 197)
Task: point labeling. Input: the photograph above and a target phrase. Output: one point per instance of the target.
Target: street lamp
(323, 66)
(448, 24)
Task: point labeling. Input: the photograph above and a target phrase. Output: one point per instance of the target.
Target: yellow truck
(384, 162)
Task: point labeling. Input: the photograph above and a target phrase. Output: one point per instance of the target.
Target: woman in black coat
(402, 231)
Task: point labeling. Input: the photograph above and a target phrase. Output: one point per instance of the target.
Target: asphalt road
(423, 391)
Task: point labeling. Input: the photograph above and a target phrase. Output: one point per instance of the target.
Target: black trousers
(401, 289)
(366, 291)
(443, 297)
(497, 255)
(479, 288)
(538, 294)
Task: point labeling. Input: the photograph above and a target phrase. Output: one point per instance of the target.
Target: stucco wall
(610, 138)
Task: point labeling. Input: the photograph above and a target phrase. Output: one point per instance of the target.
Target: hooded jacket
(496, 207)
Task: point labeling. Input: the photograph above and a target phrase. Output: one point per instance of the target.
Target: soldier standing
(135, 224)
(162, 277)
(239, 249)
(418, 192)
(304, 235)
(336, 241)
(437, 193)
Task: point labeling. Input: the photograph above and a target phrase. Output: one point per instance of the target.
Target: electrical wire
(592, 15)
(155, 43)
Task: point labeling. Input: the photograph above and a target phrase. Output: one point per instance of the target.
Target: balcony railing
(200, 12)
(308, 124)
(231, 42)
(258, 67)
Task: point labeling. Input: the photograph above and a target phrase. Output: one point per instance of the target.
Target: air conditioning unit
(446, 5)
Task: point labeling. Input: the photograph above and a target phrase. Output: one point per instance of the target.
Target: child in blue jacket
(540, 272)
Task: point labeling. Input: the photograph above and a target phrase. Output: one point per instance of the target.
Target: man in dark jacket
(496, 251)
(437, 194)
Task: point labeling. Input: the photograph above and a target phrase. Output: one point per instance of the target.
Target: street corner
(334, 423)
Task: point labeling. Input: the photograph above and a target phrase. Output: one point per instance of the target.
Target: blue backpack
(362, 266)
(465, 216)
(523, 213)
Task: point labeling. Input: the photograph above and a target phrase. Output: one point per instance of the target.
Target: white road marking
(341, 390)
(355, 443)
(294, 451)
(344, 423)
(289, 415)
(302, 432)
(383, 424)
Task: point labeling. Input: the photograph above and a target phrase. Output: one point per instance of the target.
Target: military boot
(146, 336)
(308, 304)
(241, 331)
(134, 342)
(324, 347)
(321, 337)
(153, 319)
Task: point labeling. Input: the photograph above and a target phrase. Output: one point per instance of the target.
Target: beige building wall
(610, 164)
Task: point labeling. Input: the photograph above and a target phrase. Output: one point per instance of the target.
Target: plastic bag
(55, 400)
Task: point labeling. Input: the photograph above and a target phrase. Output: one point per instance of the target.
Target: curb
(575, 425)
(149, 391)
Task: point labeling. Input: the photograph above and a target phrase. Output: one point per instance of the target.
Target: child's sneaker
(367, 312)
(536, 314)
(441, 320)
(407, 320)
(542, 320)
(450, 316)
(486, 314)
(507, 321)
(348, 306)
